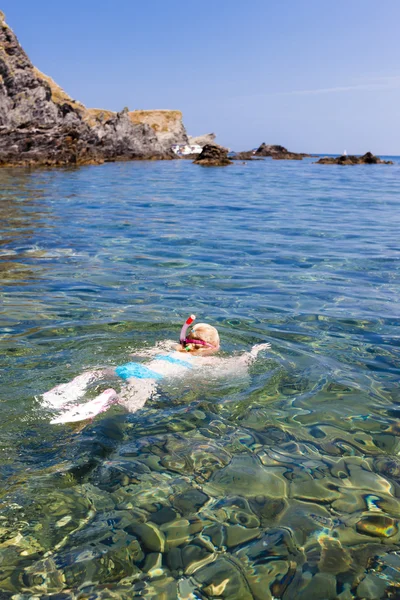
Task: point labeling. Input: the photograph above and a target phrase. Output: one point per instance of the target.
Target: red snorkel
(187, 323)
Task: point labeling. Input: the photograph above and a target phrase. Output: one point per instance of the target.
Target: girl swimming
(194, 354)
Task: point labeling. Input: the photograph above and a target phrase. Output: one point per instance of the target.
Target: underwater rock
(42, 577)
(268, 581)
(237, 535)
(162, 588)
(234, 510)
(274, 544)
(195, 557)
(245, 475)
(334, 558)
(164, 515)
(350, 501)
(216, 534)
(151, 538)
(107, 557)
(388, 465)
(174, 561)
(202, 458)
(377, 525)
(189, 501)
(115, 474)
(180, 531)
(153, 491)
(321, 491)
(372, 587)
(267, 509)
(364, 478)
(153, 565)
(223, 579)
(321, 587)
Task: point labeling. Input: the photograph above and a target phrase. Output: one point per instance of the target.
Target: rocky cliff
(41, 125)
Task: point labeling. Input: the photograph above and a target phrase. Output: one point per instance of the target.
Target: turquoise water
(282, 485)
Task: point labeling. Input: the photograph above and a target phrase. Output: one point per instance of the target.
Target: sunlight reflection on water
(284, 485)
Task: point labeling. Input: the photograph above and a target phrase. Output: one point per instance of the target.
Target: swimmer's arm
(250, 357)
(163, 346)
(229, 364)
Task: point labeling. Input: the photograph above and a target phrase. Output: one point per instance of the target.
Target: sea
(282, 483)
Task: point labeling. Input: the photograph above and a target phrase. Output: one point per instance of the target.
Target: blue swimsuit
(140, 371)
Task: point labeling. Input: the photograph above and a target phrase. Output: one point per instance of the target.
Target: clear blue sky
(312, 75)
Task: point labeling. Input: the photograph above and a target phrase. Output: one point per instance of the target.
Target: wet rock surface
(41, 125)
(213, 156)
(367, 159)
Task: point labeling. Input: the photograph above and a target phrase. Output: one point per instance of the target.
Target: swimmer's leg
(83, 412)
(65, 393)
(136, 392)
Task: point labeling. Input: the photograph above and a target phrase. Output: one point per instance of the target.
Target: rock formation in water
(41, 125)
(213, 156)
(278, 152)
(367, 159)
(271, 151)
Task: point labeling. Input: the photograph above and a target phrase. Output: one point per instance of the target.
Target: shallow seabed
(283, 485)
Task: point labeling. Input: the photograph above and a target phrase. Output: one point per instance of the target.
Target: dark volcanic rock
(41, 125)
(267, 150)
(278, 152)
(213, 156)
(246, 155)
(367, 159)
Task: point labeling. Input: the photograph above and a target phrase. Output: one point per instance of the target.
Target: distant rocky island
(367, 159)
(269, 151)
(218, 156)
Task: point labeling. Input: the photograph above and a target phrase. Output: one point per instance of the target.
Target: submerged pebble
(377, 525)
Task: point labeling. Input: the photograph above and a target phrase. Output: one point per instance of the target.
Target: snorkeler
(193, 354)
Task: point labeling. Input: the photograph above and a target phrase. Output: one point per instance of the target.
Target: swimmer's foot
(83, 412)
(65, 393)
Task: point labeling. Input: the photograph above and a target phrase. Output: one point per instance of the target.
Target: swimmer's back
(172, 364)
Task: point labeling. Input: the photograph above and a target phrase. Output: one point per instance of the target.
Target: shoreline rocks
(41, 125)
(367, 159)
